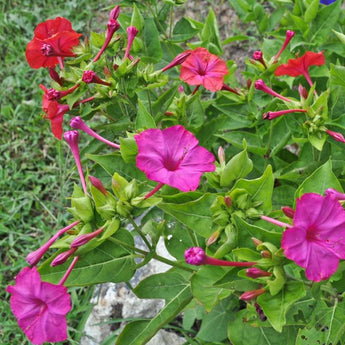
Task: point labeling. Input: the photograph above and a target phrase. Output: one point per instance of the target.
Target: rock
(117, 301)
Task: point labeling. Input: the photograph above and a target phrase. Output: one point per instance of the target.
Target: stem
(172, 263)
(149, 99)
(276, 222)
(192, 237)
(154, 190)
(141, 234)
(126, 245)
(69, 270)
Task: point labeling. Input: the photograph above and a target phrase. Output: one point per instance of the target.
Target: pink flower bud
(97, 183)
(270, 115)
(336, 136)
(260, 85)
(34, 257)
(288, 211)
(131, 33)
(227, 201)
(213, 238)
(91, 77)
(230, 89)
(256, 241)
(177, 61)
(55, 76)
(302, 91)
(196, 256)
(71, 138)
(114, 13)
(63, 257)
(221, 155)
(258, 56)
(266, 254)
(252, 294)
(289, 35)
(78, 123)
(85, 238)
(256, 273)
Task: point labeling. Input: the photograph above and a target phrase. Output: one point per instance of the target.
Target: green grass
(36, 170)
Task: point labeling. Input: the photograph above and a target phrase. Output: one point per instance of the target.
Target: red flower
(300, 66)
(53, 41)
(203, 68)
(55, 113)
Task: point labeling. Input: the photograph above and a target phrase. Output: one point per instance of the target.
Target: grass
(35, 168)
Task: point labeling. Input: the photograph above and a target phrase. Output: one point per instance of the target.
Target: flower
(91, 77)
(336, 136)
(258, 56)
(72, 138)
(288, 37)
(172, 156)
(251, 294)
(300, 66)
(270, 115)
(254, 272)
(39, 307)
(34, 257)
(54, 113)
(316, 241)
(78, 123)
(132, 31)
(53, 40)
(180, 58)
(327, 2)
(203, 68)
(196, 256)
(336, 194)
(112, 27)
(260, 85)
(85, 238)
(55, 95)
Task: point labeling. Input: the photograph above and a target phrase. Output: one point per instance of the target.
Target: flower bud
(288, 211)
(254, 272)
(252, 294)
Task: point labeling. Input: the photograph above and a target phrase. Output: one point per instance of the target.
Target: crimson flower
(53, 40)
(39, 307)
(300, 66)
(172, 156)
(316, 241)
(54, 113)
(203, 68)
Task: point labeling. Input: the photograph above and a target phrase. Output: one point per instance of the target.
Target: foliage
(262, 165)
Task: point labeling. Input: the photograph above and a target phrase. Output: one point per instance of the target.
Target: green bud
(230, 242)
(123, 208)
(81, 206)
(119, 184)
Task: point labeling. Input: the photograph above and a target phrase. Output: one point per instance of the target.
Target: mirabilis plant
(243, 184)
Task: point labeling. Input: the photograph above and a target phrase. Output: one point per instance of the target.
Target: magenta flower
(132, 31)
(172, 156)
(39, 307)
(316, 241)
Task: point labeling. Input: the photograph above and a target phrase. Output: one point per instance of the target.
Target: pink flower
(39, 307)
(336, 136)
(132, 31)
(316, 241)
(203, 68)
(289, 35)
(251, 294)
(172, 156)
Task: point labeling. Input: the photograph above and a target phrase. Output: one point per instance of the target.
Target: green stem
(192, 237)
(149, 99)
(141, 234)
(172, 263)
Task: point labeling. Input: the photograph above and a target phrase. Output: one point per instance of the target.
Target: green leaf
(311, 11)
(112, 163)
(259, 189)
(276, 307)
(204, 289)
(254, 231)
(321, 179)
(144, 119)
(152, 48)
(239, 166)
(246, 328)
(327, 328)
(214, 324)
(108, 263)
(137, 19)
(194, 214)
(140, 332)
(183, 31)
(162, 285)
(337, 75)
(210, 33)
(161, 105)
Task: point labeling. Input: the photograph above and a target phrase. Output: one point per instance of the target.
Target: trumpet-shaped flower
(316, 241)
(172, 156)
(300, 66)
(203, 68)
(39, 307)
(53, 40)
